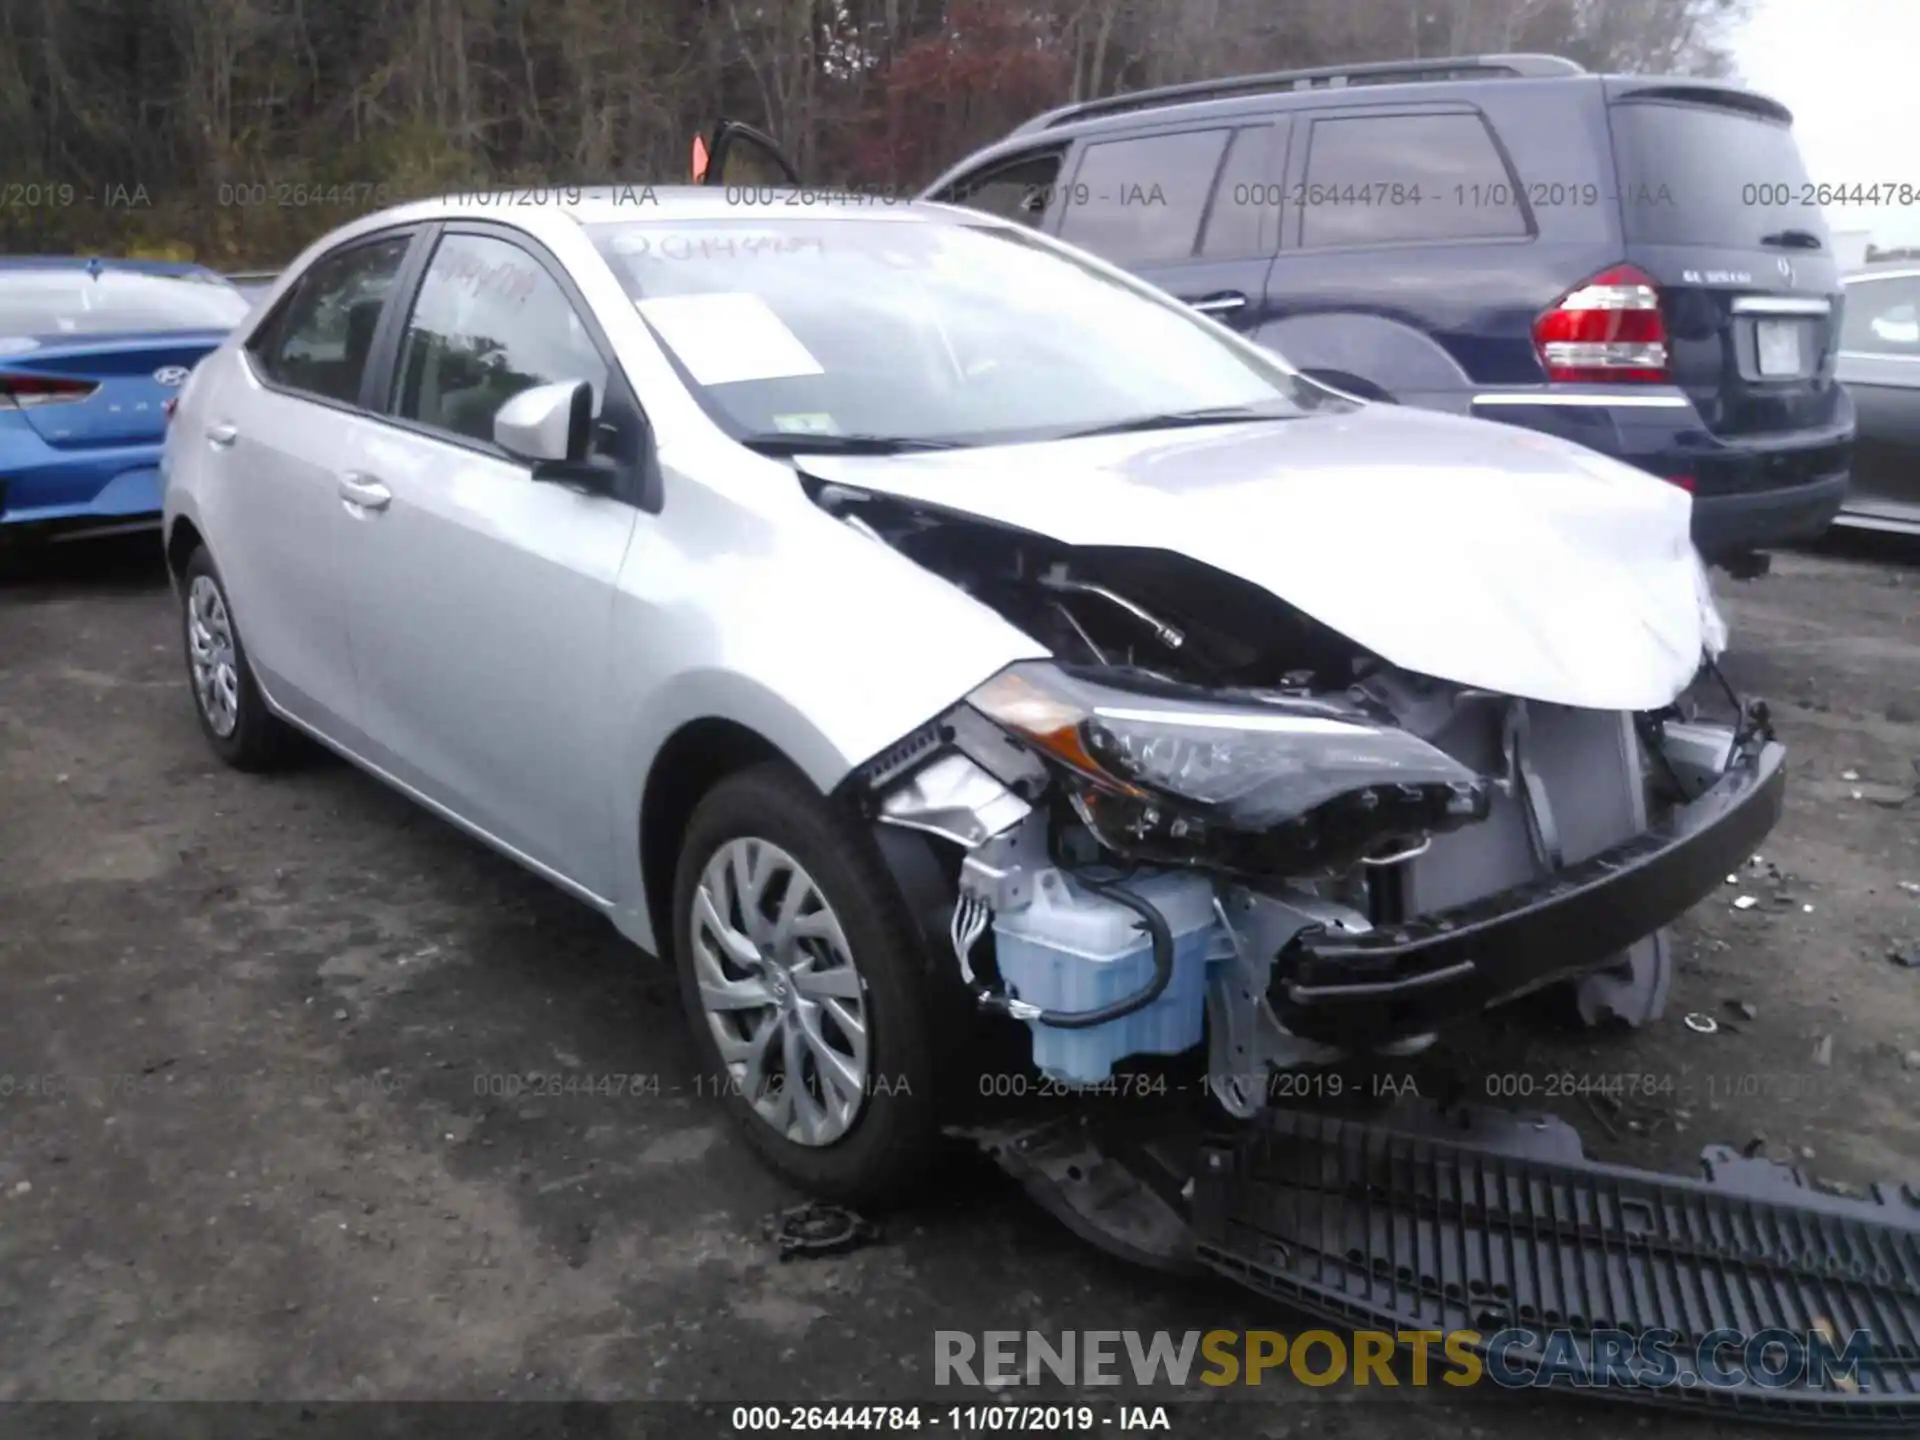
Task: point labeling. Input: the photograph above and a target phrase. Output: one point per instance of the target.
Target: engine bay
(1217, 777)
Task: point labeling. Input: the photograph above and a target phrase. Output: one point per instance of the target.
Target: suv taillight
(1605, 331)
(21, 392)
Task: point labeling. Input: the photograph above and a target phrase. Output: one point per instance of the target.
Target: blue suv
(1639, 264)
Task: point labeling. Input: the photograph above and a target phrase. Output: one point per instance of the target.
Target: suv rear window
(1707, 174)
(58, 301)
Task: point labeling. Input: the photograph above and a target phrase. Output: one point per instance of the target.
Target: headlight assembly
(1280, 786)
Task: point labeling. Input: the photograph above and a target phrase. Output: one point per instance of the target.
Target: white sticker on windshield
(811, 424)
(723, 339)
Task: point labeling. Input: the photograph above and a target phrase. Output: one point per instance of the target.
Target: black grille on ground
(1510, 1226)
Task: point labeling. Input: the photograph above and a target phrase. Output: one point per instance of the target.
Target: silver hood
(1479, 553)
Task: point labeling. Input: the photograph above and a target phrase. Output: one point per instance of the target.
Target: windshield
(926, 331)
(43, 302)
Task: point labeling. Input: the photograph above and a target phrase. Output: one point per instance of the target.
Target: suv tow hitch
(1496, 1223)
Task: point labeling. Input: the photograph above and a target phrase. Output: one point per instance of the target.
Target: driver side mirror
(551, 428)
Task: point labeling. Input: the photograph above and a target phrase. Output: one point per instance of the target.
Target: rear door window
(320, 340)
(1385, 179)
(1141, 200)
(1711, 175)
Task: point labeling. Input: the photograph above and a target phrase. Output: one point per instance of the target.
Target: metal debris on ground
(1823, 1052)
(1701, 1024)
(1905, 955)
(818, 1229)
(1745, 902)
(1849, 774)
(1745, 1009)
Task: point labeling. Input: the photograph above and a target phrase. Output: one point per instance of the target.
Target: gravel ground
(250, 1031)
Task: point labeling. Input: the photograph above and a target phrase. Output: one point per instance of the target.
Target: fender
(815, 668)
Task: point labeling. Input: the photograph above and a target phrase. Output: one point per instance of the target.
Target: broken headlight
(1260, 787)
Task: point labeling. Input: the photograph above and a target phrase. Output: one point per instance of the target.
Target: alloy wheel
(210, 648)
(781, 992)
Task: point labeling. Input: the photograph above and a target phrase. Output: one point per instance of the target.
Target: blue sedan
(91, 354)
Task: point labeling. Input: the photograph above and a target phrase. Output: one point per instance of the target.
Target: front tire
(806, 988)
(233, 714)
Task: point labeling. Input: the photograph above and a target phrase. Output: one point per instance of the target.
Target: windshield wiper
(1792, 239)
(1173, 419)
(796, 443)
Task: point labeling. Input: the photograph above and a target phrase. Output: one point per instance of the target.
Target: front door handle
(221, 436)
(363, 492)
(1220, 304)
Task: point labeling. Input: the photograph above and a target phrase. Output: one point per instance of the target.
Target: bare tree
(322, 108)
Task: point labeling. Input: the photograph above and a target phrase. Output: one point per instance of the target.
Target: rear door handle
(363, 492)
(221, 436)
(1220, 304)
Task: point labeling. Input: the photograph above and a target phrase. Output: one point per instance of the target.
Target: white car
(911, 625)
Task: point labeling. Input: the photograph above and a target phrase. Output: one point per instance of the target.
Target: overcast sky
(1850, 72)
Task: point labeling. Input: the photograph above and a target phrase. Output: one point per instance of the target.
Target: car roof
(545, 212)
(613, 203)
(538, 210)
(101, 263)
(1406, 81)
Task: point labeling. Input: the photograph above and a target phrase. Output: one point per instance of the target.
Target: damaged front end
(1212, 826)
(1211, 820)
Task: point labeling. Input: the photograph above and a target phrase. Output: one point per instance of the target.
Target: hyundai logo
(171, 375)
(1786, 271)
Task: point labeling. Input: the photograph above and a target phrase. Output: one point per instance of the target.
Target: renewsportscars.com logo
(1513, 1358)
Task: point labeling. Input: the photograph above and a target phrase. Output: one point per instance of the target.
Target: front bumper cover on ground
(1422, 975)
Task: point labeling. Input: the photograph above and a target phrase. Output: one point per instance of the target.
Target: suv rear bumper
(1425, 974)
(1749, 493)
(1757, 519)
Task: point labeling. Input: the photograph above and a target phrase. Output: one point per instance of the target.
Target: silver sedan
(915, 627)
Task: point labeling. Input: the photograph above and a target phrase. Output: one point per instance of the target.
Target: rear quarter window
(1385, 179)
(1709, 174)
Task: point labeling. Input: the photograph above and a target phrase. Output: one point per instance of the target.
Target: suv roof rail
(1326, 77)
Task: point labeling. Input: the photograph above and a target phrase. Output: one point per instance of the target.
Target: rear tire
(233, 714)
(828, 1060)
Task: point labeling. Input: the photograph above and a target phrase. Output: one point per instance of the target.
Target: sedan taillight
(24, 392)
(169, 405)
(1606, 331)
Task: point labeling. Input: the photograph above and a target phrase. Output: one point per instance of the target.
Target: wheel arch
(699, 755)
(695, 758)
(183, 538)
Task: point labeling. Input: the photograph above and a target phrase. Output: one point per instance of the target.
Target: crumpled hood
(1474, 552)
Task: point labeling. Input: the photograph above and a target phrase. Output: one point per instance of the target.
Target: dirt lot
(249, 1030)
